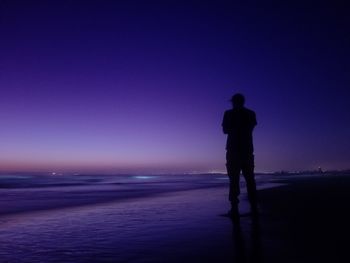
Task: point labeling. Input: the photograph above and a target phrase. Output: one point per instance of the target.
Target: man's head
(238, 100)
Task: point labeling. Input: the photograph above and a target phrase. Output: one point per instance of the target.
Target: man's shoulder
(249, 111)
(240, 111)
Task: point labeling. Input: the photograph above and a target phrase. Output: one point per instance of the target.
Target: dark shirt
(238, 124)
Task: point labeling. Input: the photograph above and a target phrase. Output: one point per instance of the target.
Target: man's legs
(248, 173)
(233, 171)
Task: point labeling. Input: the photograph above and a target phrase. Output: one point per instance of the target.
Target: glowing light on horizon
(143, 177)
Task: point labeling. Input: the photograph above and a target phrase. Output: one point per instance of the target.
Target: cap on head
(238, 100)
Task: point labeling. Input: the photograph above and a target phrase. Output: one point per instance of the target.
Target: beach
(303, 219)
(309, 218)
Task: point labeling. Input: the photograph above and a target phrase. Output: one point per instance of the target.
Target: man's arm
(225, 123)
(254, 119)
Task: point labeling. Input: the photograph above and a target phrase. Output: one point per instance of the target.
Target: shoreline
(53, 199)
(33, 199)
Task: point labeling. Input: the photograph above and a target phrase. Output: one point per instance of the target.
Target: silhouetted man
(238, 124)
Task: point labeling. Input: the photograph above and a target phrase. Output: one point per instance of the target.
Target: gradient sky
(132, 86)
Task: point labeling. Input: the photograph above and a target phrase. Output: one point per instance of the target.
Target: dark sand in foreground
(307, 220)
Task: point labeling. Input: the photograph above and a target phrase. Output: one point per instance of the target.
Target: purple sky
(141, 86)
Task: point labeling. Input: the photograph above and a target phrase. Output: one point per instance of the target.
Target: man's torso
(239, 123)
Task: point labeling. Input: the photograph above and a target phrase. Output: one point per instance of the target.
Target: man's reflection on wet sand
(246, 242)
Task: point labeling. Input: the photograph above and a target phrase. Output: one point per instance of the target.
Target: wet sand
(182, 226)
